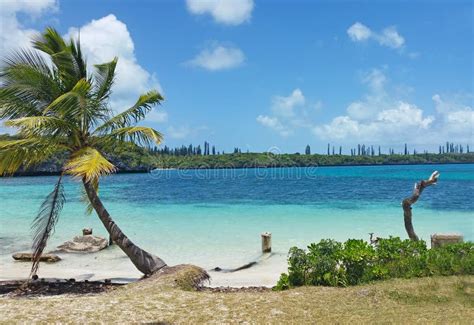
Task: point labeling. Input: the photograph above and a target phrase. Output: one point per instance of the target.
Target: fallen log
(27, 257)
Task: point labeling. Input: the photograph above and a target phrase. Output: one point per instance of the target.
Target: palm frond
(73, 105)
(35, 126)
(67, 58)
(49, 42)
(81, 65)
(89, 164)
(28, 84)
(132, 115)
(25, 153)
(45, 221)
(104, 78)
(25, 58)
(140, 135)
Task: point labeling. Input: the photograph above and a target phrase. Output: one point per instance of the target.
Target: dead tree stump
(409, 201)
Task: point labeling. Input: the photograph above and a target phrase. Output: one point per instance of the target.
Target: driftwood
(28, 257)
(409, 201)
(261, 258)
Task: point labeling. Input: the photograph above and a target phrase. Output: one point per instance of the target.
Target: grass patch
(160, 299)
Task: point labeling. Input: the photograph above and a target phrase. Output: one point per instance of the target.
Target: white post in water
(266, 242)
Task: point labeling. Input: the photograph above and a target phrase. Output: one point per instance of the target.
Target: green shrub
(323, 264)
(358, 260)
(331, 263)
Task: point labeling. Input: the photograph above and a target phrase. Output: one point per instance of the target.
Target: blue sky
(262, 74)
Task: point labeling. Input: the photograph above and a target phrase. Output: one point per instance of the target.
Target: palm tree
(57, 105)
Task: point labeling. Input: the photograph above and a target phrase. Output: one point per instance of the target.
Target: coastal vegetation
(332, 263)
(61, 111)
(129, 157)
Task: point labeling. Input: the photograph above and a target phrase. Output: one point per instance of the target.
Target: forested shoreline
(134, 159)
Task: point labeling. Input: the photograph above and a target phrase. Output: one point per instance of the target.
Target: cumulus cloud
(218, 57)
(285, 106)
(228, 12)
(103, 39)
(457, 116)
(289, 113)
(388, 37)
(380, 117)
(375, 100)
(14, 35)
(401, 122)
(273, 123)
(359, 32)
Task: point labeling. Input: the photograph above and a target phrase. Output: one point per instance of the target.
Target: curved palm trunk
(143, 261)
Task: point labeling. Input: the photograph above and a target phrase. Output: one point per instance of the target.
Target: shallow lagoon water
(215, 217)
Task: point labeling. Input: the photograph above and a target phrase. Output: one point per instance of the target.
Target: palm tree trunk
(143, 261)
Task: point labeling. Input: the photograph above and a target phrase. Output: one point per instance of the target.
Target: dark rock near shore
(84, 244)
(50, 258)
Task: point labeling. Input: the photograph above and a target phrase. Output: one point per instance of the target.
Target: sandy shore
(113, 264)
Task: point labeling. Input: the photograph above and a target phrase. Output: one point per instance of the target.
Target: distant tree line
(191, 150)
(370, 150)
(359, 150)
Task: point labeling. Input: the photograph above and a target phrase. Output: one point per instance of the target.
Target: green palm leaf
(132, 115)
(45, 221)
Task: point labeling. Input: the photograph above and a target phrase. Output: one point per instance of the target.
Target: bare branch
(409, 201)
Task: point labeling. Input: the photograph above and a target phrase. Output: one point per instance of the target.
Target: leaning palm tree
(58, 106)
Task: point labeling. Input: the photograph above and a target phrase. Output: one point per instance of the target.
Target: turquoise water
(215, 217)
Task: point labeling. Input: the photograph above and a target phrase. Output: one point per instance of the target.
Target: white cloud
(391, 38)
(218, 57)
(289, 113)
(273, 123)
(285, 106)
(13, 34)
(359, 32)
(101, 41)
(381, 118)
(375, 100)
(375, 79)
(229, 12)
(388, 37)
(399, 122)
(457, 116)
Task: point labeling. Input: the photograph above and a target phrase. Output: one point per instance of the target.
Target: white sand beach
(112, 264)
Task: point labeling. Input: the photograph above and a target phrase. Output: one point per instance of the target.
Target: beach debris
(86, 231)
(53, 287)
(266, 242)
(27, 257)
(84, 244)
(438, 240)
(245, 266)
(409, 201)
(236, 289)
